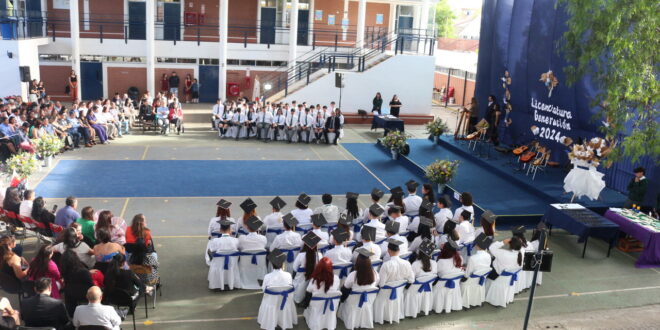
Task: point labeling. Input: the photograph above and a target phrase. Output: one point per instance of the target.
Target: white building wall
(24, 53)
(410, 77)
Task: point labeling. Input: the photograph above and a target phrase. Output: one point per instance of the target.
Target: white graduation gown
(270, 316)
(218, 277)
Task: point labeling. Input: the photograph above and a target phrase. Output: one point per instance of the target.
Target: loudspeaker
(530, 261)
(339, 80)
(25, 73)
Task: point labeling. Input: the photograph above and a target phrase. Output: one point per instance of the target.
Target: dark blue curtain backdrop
(521, 36)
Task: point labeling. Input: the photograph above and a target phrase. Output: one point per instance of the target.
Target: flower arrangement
(441, 171)
(22, 164)
(48, 145)
(437, 127)
(395, 140)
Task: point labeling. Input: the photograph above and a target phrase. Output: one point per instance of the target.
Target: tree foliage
(617, 44)
(444, 19)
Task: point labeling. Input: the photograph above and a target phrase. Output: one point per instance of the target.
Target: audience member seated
(10, 241)
(117, 278)
(145, 265)
(116, 232)
(87, 224)
(68, 214)
(94, 313)
(42, 310)
(11, 264)
(138, 230)
(10, 317)
(43, 266)
(12, 200)
(77, 280)
(105, 250)
(72, 240)
(25, 207)
(41, 214)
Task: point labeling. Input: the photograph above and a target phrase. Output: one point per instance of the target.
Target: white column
(222, 56)
(293, 34)
(74, 21)
(151, 47)
(424, 17)
(362, 16)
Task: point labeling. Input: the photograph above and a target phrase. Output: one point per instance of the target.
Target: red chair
(56, 229)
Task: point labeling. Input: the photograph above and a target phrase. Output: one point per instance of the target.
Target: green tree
(616, 43)
(444, 19)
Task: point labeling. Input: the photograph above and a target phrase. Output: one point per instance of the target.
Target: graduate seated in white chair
(329, 211)
(519, 232)
(507, 264)
(368, 235)
(392, 232)
(222, 213)
(419, 297)
(318, 221)
(447, 291)
(424, 232)
(473, 288)
(444, 214)
(273, 221)
(304, 265)
(339, 253)
(222, 257)
(277, 128)
(249, 208)
(359, 293)
(253, 267)
(466, 232)
(277, 308)
(375, 212)
(389, 304)
(487, 224)
(394, 213)
(325, 295)
(263, 122)
(288, 241)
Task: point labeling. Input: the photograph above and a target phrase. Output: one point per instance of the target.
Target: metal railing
(347, 59)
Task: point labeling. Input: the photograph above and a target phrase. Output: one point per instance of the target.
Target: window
(209, 61)
(232, 62)
(248, 62)
(186, 60)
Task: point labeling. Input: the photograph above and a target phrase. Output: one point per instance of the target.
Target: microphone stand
(538, 257)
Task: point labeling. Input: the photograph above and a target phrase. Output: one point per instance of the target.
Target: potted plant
(48, 146)
(22, 165)
(396, 142)
(436, 128)
(441, 172)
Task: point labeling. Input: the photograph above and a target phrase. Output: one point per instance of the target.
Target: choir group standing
(379, 265)
(278, 122)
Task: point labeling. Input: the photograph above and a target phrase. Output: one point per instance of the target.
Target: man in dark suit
(43, 311)
(332, 125)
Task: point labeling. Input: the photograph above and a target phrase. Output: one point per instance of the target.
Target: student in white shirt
(395, 269)
(465, 229)
(253, 240)
(304, 265)
(425, 211)
(375, 212)
(223, 213)
(239, 120)
(424, 265)
(270, 316)
(480, 258)
(352, 212)
(288, 239)
(363, 276)
(396, 199)
(291, 125)
(329, 211)
(318, 126)
(318, 221)
(162, 111)
(368, 235)
(323, 281)
(305, 123)
(339, 253)
(273, 221)
(412, 202)
(392, 232)
(218, 110)
(394, 213)
(25, 208)
(487, 224)
(279, 122)
(466, 205)
(264, 121)
(302, 213)
(506, 255)
(444, 205)
(449, 260)
(425, 231)
(376, 195)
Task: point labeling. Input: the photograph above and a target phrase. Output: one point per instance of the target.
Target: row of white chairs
(390, 303)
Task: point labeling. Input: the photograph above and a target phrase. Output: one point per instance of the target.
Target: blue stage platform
(512, 195)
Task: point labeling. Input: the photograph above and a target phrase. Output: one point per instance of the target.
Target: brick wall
(440, 80)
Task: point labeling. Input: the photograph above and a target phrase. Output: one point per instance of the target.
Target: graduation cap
(449, 226)
(340, 235)
(290, 220)
(254, 223)
(483, 241)
(445, 199)
(394, 209)
(377, 193)
(318, 220)
(396, 191)
(451, 243)
(426, 206)
(304, 199)
(277, 203)
(518, 230)
(345, 219)
(310, 239)
(426, 222)
(393, 244)
(225, 222)
(352, 195)
(376, 210)
(466, 215)
(364, 252)
(224, 204)
(248, 205)
(427, 247)
(392, 227)
(412, 185)
(277, 258)
(488, 216)
(368, 233)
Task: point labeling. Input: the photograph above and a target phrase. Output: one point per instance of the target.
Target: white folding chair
(447, 293)
(473, 290)
(224, 270)
(357, 310)
(388, 306)
(291, 254)
(322, 310)
(406, 256)
(277, 308)
(342, 269)
(500, 292)
(419, 296)
(252, 266)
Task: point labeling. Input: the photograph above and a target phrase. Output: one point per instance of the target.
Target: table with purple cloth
(580, 221)
(650, 257)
